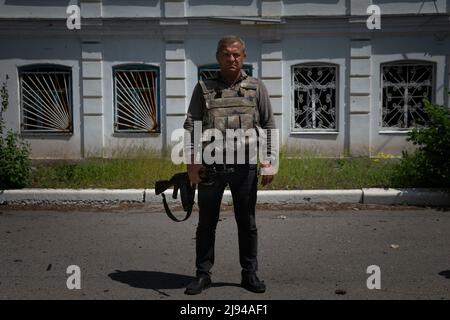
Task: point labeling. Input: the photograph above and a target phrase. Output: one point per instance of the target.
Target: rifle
(178, 181)
(181, 181)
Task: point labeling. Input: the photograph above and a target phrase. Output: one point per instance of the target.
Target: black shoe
(252, 283)
(198, 285)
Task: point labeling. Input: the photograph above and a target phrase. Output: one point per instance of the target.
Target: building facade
(342, 79)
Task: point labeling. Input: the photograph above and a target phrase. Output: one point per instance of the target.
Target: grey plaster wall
(28, 51)
(179, 36)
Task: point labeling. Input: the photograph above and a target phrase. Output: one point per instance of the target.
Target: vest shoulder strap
(250, 83)
(208, 85)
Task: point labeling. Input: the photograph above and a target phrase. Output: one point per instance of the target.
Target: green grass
(104, 173)
(307, 173)
(346, 173)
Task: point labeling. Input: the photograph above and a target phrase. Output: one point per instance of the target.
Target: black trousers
(243, 185)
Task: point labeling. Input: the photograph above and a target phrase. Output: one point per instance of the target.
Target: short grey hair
(230, 39)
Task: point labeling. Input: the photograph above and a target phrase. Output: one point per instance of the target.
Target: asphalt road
(136, 252)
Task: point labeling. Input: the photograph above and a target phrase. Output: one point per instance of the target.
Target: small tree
(15, 163)
(429, 164)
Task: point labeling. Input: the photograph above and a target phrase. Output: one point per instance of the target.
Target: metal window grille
(210, 71)
(46, 102)
(405, 85)
(314, 97)
(136, 99)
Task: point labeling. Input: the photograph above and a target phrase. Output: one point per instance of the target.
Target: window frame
(140, 68)
(405, 62)
(55, 68)
(336, 100)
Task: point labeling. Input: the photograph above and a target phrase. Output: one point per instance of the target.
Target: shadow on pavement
(154, 280)
(224, 284)
(158, 281)
(445, 273)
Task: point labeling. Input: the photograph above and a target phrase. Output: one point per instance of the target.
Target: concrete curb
(279, 196)
(424, 197)
(56, 195)
(310, 196)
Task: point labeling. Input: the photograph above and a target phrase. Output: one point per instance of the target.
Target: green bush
(429, 164)
(15, 163)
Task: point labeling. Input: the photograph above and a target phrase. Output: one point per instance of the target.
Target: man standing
(232, 100)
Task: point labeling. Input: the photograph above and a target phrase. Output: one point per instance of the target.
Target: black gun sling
(187, 207)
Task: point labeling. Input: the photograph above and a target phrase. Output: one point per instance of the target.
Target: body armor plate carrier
(231, 108)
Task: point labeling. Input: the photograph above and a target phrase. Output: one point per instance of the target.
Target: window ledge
(395, 131)
(135, 134)
(29, 134)
(315, 132)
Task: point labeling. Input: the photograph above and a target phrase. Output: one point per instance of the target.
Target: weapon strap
(170, 214)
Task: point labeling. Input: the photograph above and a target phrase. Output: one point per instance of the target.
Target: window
(404, 86)
(46, 99)
(209, 71)
(136, 90)
(314, 97)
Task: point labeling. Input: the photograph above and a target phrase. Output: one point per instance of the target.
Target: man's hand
(266, 178)
(193, 172)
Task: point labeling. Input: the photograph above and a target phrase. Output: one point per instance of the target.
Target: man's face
(231, 57)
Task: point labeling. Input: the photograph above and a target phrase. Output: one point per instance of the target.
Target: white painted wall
(314, 8)
(179, 49)
(210, 8)
(130, 50)
(131, 8)
(413, 6)
(400, 48)
(35, 9)
(25, 51)
(298, 50)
